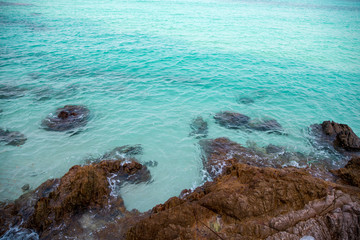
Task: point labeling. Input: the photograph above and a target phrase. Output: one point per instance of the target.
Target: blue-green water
(145, 69)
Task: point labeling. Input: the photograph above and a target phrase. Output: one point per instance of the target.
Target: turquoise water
(145, 69)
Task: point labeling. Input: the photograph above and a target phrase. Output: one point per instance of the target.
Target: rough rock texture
(12, 137)
(63, 201)
(199, 128)
(231, 120)
(350, 174)
(247, 202)
(217, 153)
(340, 136)
(66, 118)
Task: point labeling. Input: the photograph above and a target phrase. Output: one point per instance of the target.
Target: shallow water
(145, 69)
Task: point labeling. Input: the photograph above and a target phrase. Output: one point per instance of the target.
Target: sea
(146, 68)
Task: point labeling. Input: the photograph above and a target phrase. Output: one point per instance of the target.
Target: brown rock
(247, 202)
(350, 174)
(342, 136)
(63, 202)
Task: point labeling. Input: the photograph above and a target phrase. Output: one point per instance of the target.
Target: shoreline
(250, 195)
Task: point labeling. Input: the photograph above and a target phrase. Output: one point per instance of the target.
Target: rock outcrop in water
(58, 203)
(339, 136)
(67, 118)
(350, 174)
(248, 202)
(231, 120)
(199, 128)
(250, 196)
(12, 137)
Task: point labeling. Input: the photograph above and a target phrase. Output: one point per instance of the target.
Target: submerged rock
(12, 137)
(125, 151)
(231, 120)
(339, 136)
(25, 188)
(199, 128)
(245, 100)
(119, 153)
(268, 125)
(9, 92)
(66, 118)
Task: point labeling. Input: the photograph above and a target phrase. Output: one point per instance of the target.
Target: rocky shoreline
(252, 193)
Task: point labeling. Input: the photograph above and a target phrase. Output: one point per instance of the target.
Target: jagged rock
(199, 128)
(247, 202)
(61, 202)
(231, 120)
(350, 174)
(12, 137)
(340, 136)
(66, 118)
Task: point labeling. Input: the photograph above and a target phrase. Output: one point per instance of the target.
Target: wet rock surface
(57, 204)
(199, 128)
(350, 174)
(339, 136)
(250, 196)
(231, 120)
(12, 137)
(248, 202)
(67, 118)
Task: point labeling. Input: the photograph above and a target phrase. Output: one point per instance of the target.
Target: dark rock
(340, 136)
(67, 118)
(245, 100)
(268, 125)
(199, 128)
(13, 138)
(231, 120)
(25, 187)
(9, 92)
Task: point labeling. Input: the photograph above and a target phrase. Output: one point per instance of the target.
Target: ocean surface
(146, 68)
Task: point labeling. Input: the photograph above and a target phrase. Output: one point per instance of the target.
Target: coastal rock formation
(248, 202)
(62, 201)
(66, 118)
(350, 174)
(340, 136)
(199, 128)
(12, 137)
(245, 199)
(231, 120)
